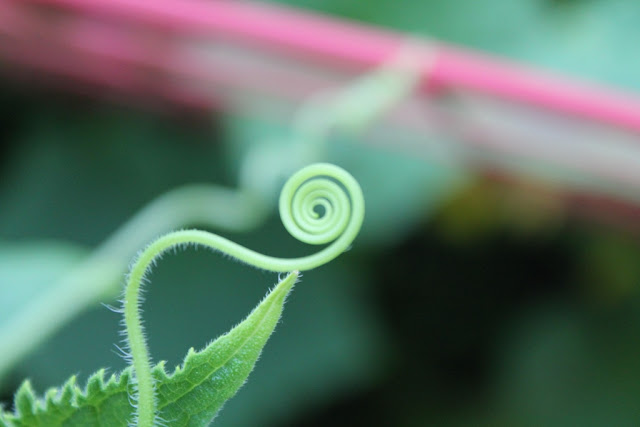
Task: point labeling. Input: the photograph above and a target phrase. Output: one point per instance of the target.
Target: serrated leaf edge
(28, 405)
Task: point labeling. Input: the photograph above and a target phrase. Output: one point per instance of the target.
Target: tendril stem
(320, 185)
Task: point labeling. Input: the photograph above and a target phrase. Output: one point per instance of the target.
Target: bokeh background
(468, 300)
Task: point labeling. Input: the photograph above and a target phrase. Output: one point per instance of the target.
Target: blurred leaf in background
(17, 269)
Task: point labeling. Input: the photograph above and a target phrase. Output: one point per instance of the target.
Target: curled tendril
(320, 186)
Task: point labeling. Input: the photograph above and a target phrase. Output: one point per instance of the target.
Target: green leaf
(191, 396)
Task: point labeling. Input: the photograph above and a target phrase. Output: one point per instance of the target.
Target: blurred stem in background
(99, 275)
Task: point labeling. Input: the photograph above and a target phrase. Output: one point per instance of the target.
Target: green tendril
(321, 186)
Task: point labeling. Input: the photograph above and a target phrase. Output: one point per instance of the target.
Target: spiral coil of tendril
(320, 185)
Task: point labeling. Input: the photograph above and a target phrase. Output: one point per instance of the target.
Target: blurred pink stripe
(358, 47)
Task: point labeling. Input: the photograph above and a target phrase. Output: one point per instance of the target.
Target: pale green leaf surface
(27, 268)
(190, 396)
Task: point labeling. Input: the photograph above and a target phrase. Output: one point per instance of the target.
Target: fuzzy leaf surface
(190, 396)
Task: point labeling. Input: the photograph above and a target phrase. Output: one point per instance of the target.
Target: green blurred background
(464, 302)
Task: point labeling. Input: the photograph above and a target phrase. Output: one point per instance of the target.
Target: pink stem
(358, 47)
